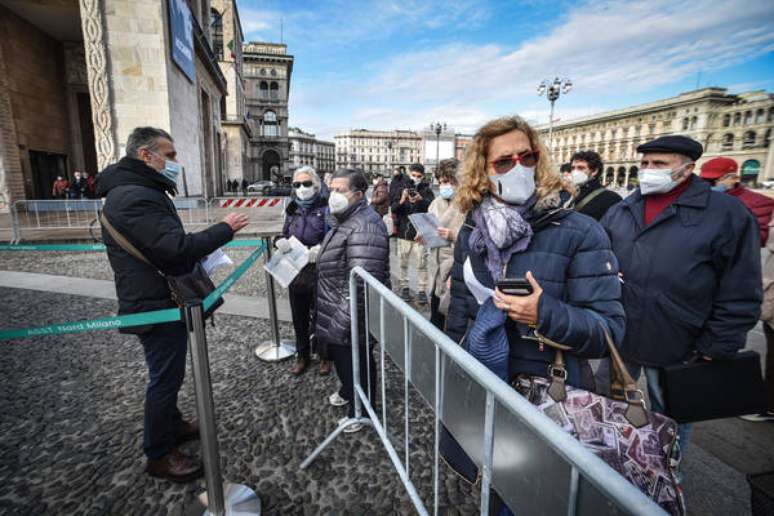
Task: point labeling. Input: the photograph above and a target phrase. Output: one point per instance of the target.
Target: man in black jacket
(358, 238)
(414, 198)
(137, 193)
(592, 199)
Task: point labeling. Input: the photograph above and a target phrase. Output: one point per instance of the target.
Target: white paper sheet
(215, 260)
(284, 267)
(426, 225)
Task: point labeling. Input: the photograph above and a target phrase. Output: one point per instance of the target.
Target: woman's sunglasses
(299, 184)
(526, 158)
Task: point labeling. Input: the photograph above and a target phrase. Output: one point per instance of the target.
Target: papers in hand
(284, 267)
(215, 260)
(426, 225)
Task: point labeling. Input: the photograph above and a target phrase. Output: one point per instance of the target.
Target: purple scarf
(500, 232)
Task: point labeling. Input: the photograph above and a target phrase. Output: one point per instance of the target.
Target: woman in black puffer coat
(358, 238)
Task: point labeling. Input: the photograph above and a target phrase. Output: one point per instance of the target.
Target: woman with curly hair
(520, 224)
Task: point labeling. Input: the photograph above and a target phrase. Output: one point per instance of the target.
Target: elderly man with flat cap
(690, 263)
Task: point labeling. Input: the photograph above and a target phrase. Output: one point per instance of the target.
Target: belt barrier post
(276, 349)
(15, 224)
(238, 498)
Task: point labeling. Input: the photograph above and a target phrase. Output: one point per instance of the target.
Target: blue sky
(387, 64)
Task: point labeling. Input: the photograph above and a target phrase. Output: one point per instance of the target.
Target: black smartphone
(515, 286)
(412, 192)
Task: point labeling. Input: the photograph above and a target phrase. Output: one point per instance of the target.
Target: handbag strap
(590, 197)
(125, 244)
(622, 385)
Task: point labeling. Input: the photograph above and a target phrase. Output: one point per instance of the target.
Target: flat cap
(718, 167)
(674, 143)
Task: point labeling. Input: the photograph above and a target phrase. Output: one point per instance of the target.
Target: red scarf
(656, 203)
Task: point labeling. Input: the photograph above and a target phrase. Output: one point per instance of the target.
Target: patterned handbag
(638, 444)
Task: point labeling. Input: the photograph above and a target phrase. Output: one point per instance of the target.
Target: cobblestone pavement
(71, 426)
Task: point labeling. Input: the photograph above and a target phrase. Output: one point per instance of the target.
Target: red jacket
(760, 205)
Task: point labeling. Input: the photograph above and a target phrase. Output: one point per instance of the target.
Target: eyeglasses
(526, 158)
(299, 184)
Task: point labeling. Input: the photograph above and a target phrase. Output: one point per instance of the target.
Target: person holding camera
(306, 218)
(414, 198)
(137, 193)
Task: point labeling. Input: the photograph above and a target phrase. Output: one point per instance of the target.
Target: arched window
(737, 118)
(748, 118)
(727, 120)
(216, 29)
(270, 125)
(767, 138)
(770, 118)
(759, 116)
(685, 124)
(274, 90)
(750, 170)
(748, 140)
(264, 90)
(694, 121)
(728, 142)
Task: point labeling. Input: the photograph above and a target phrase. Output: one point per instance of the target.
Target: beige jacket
(767, 308)
(449, 216)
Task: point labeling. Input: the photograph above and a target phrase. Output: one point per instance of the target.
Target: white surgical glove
(313, 252)
(283, 246)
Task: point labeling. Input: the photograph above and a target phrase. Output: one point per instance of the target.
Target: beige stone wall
(34, 116)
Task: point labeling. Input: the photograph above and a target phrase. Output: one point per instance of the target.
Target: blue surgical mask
(720, 188)
(446, 191)
(171, 170)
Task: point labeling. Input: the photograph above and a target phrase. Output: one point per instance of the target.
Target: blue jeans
(655, 392)
(165, 350)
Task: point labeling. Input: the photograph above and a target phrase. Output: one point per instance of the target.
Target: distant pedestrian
(358, 239)
(414, 198)
(690, 264)
(59, 190)
(380, 198)
(77, 187)
(137, 205)
(591, 198)
(306, 218)
(450, 219)
(399, 181)
(91, 185)
(565, 170)
(767, 316)
(722, 173)
(245, 184)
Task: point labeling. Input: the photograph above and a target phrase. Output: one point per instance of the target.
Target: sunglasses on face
(299, 184)
(526, 158)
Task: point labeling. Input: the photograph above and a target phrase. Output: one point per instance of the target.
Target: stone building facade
(377, 151)
(306, 149)
(738, 126)
(227, 40)
(267, 71)
(77, 76)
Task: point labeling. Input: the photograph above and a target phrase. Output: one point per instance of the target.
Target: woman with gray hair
(306, 219)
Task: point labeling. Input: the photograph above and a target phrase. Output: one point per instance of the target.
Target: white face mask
(578, 177)
(446, 191)
(515, 186)
(658, 180)
(338, 202)
(305, 192)
(416, 180)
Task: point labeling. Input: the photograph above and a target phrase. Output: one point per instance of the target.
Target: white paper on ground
(215, 260)
(284, 267)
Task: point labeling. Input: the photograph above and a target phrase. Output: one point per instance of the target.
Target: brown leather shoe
(187, 431)
(325, 367)
(300, 366)
(174, 466)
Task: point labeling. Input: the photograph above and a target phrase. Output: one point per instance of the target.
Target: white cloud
(608, 48)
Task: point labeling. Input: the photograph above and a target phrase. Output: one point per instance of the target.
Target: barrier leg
(276, 349)
(220, 498)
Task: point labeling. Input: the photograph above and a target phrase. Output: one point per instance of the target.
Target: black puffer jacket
(137, 205)
(358, 238)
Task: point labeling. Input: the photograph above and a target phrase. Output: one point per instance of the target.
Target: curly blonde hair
(474, 181)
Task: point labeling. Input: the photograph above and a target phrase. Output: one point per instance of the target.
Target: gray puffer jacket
(358, 238)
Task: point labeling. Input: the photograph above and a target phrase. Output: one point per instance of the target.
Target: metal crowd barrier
(74, 218)
(534, 466)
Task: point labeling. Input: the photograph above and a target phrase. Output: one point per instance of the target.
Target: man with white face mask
(591, 198)
(690, 265)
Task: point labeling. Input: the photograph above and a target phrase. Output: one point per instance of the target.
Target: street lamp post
(437, 128)
(389, 158)
(552, 90)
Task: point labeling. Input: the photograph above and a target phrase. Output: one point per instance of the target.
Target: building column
(95, 48)
(10, 162)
